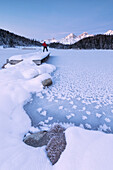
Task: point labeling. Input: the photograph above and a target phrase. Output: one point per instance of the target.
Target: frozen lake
(82, 91)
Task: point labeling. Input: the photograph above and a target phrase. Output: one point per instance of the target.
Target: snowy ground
(6, 53)
(83, 82)
(81, 93)
(17, 83)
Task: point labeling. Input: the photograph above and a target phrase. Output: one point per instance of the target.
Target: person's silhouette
(44, 46)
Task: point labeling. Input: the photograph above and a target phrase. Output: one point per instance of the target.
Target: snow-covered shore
(16, 84)
(85, 150)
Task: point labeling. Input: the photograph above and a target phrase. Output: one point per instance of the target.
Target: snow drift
(16, 84)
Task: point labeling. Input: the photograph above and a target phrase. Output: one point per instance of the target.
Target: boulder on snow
(56, 144)
(55, 147)
(54, 139)
(55, 131)
(47, 82)
(37, 139)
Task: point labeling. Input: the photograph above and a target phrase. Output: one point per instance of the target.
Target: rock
(55, 147)
(37, 139)
(54, 139)
(56, 130)
(56, 143)
(47, 82)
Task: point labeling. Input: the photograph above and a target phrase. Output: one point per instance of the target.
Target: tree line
(11, 40)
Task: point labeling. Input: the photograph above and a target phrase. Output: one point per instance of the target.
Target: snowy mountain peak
(83, 35)
(69, 39)
(70, 36)
(109, 32)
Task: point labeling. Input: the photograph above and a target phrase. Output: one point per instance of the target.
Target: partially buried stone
(47, 82)
(55, 147)
(56, 143)
(56, 130)
(37, 139)
(54, 139)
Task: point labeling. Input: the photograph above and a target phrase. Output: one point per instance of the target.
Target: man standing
(44, 46)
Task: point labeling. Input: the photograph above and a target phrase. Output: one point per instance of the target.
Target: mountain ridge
(99, 41)
(109, 32)
(9, 39)
(72, 38)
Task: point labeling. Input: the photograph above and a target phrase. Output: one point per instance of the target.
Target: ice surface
(82, 85)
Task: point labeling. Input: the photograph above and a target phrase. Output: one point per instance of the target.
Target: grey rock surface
(54, 139)
(47, 82)
(56, 143)
(37, 139)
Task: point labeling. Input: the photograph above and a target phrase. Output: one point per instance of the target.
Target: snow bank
(86, 150)
(31, 56)
(6, 53)
(16, 84)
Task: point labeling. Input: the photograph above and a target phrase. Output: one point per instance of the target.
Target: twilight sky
(43, 19)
